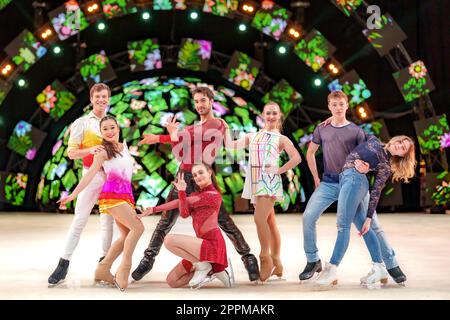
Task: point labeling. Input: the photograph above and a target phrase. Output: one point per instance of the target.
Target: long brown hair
(403, 168)
(110, 147)
(213, 175)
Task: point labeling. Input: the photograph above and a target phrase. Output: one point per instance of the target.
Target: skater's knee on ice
(171, 281)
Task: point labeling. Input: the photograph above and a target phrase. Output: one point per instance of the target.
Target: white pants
(85, 202)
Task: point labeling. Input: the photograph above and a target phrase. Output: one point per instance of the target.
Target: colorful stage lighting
(101, 26)
(294, 33)
(317, 82)
(282, 49)
(22, 83)
(193, 15)
(7, 69)
(57, 50)
(93, 8)
(46, 33)
(248, 8)
(363, 112)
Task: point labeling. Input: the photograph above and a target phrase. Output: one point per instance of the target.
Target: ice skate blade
(202, 283)
(383, 282)
(51, 285)
(311, 280)
(102, 284)
(118, 286)
(325, 287)
(275, 278)
(373, 286)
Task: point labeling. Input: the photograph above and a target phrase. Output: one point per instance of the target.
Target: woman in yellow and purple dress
(263, 185)
(116, 199)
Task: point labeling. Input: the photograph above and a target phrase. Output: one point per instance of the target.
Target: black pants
(168, 219)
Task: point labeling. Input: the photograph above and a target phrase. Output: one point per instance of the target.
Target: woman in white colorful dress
(263, 184)
(115, 199)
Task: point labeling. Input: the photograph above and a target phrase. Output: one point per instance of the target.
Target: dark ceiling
(420, 21)
(424, 22)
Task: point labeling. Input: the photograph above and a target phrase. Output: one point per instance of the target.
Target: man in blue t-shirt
(337, 140)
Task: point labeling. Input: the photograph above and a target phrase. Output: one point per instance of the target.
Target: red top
(204, 207)
(193, 145)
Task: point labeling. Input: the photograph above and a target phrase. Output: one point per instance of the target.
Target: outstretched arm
(183, 203)
(87, 178)
(240, 143)
(166, 206)
(151, 138)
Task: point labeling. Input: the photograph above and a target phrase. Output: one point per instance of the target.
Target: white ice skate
(204, 282)
(327, 278)
(201, 273)
(378, 275)
(275, 278)
(226, 276)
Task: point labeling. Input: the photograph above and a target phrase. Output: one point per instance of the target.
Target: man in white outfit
(84, 142)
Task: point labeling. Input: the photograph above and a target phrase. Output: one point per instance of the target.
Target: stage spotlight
(317, 82)
(46, 33)
(363, 112)
(248, 7)
(7, 69)
(57, 50)
(92, 7)
(332, 69)
(21, 82)
(146, 15)
(193, 15)
(282, 49)
(92, 10)
(101, 26)
(293, 33)
(242, 27)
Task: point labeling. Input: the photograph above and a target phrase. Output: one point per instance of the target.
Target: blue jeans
(321, 199)
(353, 188)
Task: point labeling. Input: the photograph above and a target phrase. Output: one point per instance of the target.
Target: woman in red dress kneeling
(204, 256)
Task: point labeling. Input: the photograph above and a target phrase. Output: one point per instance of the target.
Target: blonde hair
(281, 121)
(403, 168)
(337, 95)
